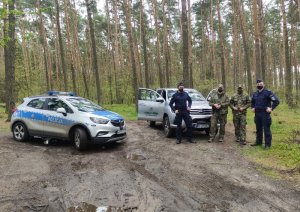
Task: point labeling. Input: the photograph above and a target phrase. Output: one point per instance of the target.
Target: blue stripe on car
(108, 114)
(41, 117)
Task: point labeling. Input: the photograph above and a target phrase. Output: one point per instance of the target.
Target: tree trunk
(61, 47)
(185, 45)
(94, 51)
(131, 46)
(256, 40)
(263, 52)
(299, 8)
(158, 55)
(144, 41)
(76, 48)
(110, 52)
(190, 44)
(213, 46)
(235, 43)
(222, 54)
(26, 59)
(246, 46)
(70, 42)
(288, 71)
(10, 58)
(117, 57)
(44, 43)
(166, 46)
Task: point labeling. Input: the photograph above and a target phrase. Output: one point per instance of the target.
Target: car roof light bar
(62, 93)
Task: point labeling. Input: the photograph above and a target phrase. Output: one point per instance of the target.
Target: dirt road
(147, 173)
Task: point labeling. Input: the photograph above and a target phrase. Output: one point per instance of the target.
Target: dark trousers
(263, 123)
(188, 122)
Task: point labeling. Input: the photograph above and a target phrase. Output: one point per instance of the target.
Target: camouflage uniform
(218, 114)
(239, 104)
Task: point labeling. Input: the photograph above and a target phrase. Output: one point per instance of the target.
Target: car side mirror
(62, 110)
(160, 99)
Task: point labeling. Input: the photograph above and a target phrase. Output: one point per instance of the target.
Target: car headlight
(99, 120)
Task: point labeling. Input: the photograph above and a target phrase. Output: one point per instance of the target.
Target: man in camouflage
(219, 102)
(239, 103)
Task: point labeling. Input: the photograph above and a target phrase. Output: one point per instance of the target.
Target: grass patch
(269, 172)
(127, 111)
(285, 152)
(4, 126)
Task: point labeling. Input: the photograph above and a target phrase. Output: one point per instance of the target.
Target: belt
(260, 110)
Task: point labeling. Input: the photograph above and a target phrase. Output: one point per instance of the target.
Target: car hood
(200, 105)
(107, 114)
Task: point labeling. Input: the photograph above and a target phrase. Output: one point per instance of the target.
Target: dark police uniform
(261, 100)
(180, 99)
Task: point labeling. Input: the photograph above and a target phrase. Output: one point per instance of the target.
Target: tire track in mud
(223, 190)
(148, 173)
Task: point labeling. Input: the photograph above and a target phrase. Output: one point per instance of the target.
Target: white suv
(153, 106)
(63, 115)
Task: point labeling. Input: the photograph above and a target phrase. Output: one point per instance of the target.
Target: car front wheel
(80, 139)
(20, 132)
(167, 128)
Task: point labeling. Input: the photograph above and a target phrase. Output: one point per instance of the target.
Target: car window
(148, 95)
(55, 103)
(195, 95)
(171, 93)
(37, 103)
(84, 104)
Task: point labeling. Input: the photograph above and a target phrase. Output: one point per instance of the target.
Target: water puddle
(135, 157)
(86, 207)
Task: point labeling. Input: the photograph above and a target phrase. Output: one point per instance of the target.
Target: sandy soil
(147, 173)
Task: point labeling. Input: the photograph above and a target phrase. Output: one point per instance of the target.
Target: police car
(63, 115)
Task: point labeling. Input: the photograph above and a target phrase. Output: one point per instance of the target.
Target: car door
(57, 124)
(150, 105)
(34, 116)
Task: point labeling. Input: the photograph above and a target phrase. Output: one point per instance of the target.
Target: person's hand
(176, 111)
(241, 109)
(253, 110)
(269, 110)
(217, 106)
(189, 109)
(235, 108)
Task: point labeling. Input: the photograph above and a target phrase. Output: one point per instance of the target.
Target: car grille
(117, 123)
(201, 111)
(201, 121)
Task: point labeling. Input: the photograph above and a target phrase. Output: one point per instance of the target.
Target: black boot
(191, 140)
(178, 141)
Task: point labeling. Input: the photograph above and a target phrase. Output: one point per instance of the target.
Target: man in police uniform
(263, 103)
(219, 102)
(239, 103)
(180, 98)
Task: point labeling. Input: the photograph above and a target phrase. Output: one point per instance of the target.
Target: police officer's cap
(220, 86)
(240, 86)
(259, 81)
(180, 84)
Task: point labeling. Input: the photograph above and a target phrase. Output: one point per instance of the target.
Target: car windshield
(195, 95)
(84, 105)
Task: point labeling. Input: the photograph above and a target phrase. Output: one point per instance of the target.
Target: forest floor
(147, 173)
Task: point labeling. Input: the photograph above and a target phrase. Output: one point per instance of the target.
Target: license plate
(201, 126)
